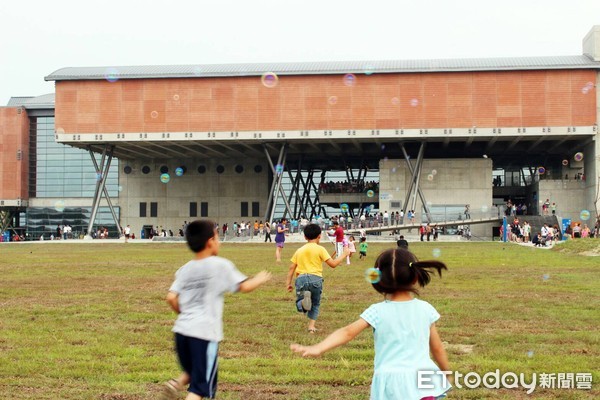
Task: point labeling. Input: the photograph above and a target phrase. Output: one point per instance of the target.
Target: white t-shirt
(201, 286)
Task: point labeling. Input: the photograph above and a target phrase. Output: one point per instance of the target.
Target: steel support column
(414, 182)
(419, 191)
(101, 174)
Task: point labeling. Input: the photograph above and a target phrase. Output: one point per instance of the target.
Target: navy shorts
(198, 358)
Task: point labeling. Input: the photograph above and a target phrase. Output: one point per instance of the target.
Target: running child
(307, 266)
(404, 330)
(351, 249)
(196, 296)
(362, 248)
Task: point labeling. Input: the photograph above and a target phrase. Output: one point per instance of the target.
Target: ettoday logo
(508, 380)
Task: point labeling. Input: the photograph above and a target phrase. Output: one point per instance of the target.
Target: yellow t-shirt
(309, 259)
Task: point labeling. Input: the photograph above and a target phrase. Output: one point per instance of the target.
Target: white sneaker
(307, 300)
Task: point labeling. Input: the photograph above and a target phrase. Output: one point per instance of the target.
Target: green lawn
(89, 321)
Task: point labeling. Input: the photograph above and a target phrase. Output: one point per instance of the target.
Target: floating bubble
(430, 177)
(484, 209)
(111, 74)
(530, 353)
(154, 114)
(414, 102)
(269, 79)
(434, 172)
(279, 169)
(98, 176)
(541, 170)
(436, 253)
(179, 171)
(165, 178)
(395, 101)
(587, 88)
(60, 131)
(545, 277)
(332, 100)
(370, 193)
(176, 97)
(578, 156)
(373, 275)
(394, 169)
(344, 207)
(565, 162)
(485, 156)
(584, 215)
(349, 80)
(368, 69)
(59, 205)
(120, 188)
(382, 147)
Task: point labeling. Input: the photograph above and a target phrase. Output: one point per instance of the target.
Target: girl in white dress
(404, 331)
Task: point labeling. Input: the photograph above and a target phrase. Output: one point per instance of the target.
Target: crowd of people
(353, 186)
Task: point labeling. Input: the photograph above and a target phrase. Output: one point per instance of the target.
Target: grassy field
(89, 321)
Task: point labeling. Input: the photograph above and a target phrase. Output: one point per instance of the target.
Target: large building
(158, 145)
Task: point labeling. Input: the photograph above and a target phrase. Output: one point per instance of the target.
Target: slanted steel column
(101, 186)
(419, 191)
(414, 183)
(276, 187)
(107, 196)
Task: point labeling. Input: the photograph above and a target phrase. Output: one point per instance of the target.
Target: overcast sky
(38, 37)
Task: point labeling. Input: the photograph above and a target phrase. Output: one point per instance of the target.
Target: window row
(244, 208)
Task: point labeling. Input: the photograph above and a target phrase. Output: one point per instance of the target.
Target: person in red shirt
(339, 237)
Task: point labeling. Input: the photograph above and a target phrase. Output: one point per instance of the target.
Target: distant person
(267, 229)
(338, 232)
(404, 330)
(351, 248)
(196, 296)
(362, 248)
(280, 238)
(307, 268)
(402, 243)
(127, 233)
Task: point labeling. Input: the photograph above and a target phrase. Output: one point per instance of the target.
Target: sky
(39, 37)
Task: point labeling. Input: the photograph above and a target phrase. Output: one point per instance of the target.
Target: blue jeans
(314, 284)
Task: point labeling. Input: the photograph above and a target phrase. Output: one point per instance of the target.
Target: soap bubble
(279, 169)
(370, 193)
(584, 215)
(545, 277)
(373, 275)
(179, 171)
(436, 253)
(414, 102)
(59, 205)
(154, 114)
(332, 100)
(344, 207)
(565, 162)
(395, 101)
(541, 170)
(111, 74)
(349, 79)
(165, 178)
(430, 177)
(434, 172)
(578, 156)
(269, 79)
(530, 353)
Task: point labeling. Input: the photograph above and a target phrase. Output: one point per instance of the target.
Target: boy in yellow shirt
(307, 264)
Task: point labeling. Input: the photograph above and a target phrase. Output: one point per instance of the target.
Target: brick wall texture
(14, 137)
(379, 101)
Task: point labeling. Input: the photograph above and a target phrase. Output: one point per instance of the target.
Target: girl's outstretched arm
(337, 338)
(437, 349)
